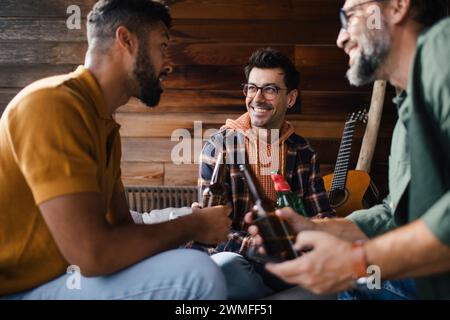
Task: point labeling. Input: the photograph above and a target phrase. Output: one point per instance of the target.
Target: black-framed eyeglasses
(343, 14)
(269, 91)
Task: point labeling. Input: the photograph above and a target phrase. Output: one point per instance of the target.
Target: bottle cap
(279, 183)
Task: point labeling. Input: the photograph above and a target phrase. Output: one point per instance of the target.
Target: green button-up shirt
(391, 212)
(420, 154)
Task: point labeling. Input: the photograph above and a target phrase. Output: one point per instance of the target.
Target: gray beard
(375, 49)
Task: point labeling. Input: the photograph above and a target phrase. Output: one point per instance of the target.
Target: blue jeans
(175, 275)
(245, 279)
(390, 290)
(248, 280)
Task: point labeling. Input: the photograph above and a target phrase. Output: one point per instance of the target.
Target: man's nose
(259, 96)
(342, 38)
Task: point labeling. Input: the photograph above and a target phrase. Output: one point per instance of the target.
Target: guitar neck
(343, 159)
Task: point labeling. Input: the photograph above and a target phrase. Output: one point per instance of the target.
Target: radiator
(146, 198)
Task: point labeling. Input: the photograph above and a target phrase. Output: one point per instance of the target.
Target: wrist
(191, 224)
(359, 260)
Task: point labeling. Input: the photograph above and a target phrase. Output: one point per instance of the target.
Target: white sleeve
(137, 217)
(159, 216)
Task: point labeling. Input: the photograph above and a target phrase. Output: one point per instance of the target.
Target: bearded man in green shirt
(408, 235)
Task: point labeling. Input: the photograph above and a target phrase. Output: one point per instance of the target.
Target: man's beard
(375, 46)
(148, 81)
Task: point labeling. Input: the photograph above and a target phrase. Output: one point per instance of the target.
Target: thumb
(195, 207)
(194, 204)
(289, 214)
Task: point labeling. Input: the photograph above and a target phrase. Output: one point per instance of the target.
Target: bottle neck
(218, 176)
(257, 194)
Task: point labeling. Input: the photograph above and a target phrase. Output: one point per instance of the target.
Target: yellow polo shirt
(56, 138)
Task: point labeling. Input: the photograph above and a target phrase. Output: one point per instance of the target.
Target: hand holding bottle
(214, 224)
(297, 223)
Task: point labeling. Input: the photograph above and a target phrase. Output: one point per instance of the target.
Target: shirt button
(392, 205)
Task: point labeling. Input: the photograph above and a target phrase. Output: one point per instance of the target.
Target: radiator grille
(147, 198)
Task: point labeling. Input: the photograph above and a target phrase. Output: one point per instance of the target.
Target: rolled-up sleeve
(374, 221)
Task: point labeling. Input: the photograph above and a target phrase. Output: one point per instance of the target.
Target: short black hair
(269, 58)
(136, 15)
(428, 12)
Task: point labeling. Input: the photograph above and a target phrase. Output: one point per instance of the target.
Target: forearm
(120, 246)
(341, 228)
(410, 251)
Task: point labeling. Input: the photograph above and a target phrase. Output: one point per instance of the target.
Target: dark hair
(428, 12)
(269, 58)
(136, 15)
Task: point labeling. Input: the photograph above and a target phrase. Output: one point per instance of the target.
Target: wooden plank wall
(212, 40)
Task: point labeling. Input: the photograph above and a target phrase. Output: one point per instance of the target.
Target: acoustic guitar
(349, 190)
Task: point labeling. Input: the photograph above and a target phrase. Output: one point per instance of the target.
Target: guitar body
(360, 193)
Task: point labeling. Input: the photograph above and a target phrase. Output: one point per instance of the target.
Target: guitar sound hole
(338, 198)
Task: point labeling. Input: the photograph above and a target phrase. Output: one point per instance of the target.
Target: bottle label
(279, 183)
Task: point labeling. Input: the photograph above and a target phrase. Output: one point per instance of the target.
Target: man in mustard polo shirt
(62, 201)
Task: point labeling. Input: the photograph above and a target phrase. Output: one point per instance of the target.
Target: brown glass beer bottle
(277, 234)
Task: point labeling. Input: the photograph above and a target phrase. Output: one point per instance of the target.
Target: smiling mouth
(259, 110)
(352, 54)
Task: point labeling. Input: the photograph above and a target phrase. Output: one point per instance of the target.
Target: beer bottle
(285, 196)
(277, 234)
(215, 193)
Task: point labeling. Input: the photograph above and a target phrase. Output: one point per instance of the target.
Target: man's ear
(292, 98)
(126, 40)
(398, 11)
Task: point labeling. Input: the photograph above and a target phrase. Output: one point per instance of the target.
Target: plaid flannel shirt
(302, 174)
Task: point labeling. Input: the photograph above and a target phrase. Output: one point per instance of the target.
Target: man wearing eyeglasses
(408, 235)
(271, 89)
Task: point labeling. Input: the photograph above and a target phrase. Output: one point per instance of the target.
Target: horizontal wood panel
(152, 150)
(253, 9)
(186, 174)
(219, 54)
(18, 76)
(40, 29)
(47, 8)
(160, 150)
(270, 32)
(6, 95)
(20, 53)
(180, 175)
(142, 173)
(316, 104)
(189, 9)
(163, 125)
(231, 78)
(333, 104)
(183, 77)
(208, 54)
(224, 54)
(236, 31)
(150, 174)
